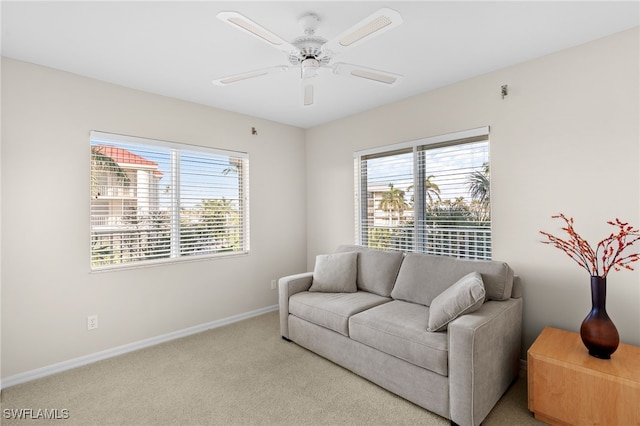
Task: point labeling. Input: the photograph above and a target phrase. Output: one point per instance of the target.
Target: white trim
(463, 134)
(116, 138)
(167, 261)
(175, 153)
(130, 347)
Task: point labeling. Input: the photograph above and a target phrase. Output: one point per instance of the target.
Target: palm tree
(100, 164)
(431, 190)
(480, 189)
(234, 166)
(393, 201)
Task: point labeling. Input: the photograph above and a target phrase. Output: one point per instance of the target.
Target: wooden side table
(567, 386)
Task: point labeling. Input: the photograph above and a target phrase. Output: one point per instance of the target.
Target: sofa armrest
(484, 358)
(287, 287)
(516, 291)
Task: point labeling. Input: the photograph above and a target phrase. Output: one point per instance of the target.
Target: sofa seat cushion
(332, 310)
(399, 328)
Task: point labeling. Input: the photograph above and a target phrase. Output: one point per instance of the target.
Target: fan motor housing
(309, 47)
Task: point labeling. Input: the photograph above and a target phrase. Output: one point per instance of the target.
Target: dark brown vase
(598, 332)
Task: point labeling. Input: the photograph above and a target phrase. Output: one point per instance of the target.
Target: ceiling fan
(310, 53)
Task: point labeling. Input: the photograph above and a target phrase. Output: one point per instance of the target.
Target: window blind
(154, 201)
(430, 196)
(386, 210)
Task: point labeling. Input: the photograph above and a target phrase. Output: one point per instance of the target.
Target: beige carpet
(241, 374)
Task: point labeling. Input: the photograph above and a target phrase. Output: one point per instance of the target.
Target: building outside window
(154, 201)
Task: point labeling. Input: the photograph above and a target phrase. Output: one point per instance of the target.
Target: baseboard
(130, 347)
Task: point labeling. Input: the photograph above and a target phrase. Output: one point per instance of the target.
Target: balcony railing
(462, 242)
(116, 191)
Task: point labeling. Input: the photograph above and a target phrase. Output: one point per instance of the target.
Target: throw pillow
(335, 273)
(463, 297)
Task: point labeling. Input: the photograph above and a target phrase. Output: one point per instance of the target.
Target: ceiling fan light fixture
(310, 67)
(310, 52)
(367, 29)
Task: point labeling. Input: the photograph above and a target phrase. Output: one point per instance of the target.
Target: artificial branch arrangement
(608, 253)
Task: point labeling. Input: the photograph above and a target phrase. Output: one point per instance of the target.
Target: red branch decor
(608, 253)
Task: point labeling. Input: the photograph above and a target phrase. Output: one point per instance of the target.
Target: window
(154, 201)
(429, 196)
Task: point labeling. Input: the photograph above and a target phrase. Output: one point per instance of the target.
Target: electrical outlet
(274, 284)
(92, 322)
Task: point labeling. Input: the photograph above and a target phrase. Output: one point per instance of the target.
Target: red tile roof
(122, 156)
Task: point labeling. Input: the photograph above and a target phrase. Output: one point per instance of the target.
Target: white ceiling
(176, 48)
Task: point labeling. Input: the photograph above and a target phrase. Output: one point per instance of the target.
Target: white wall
(565, 139)
(47, 290)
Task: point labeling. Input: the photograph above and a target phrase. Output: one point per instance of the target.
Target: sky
(449, 165)
(202, 176)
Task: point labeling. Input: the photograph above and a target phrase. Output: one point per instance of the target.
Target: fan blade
(243, 23)
(307, 94)
(224, 81)
(367, 73)
(379, 22)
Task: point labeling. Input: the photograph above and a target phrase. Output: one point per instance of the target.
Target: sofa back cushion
(377, 269)
(422, 277)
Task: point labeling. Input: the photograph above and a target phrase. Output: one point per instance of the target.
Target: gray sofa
(441, 332)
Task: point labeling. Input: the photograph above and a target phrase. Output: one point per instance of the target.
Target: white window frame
(418, 177)
(175, 200)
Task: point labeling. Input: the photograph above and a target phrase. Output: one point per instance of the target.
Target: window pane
(431, 198)
(210, 204)
(150, 203)
(388, 214)
(456, 218)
